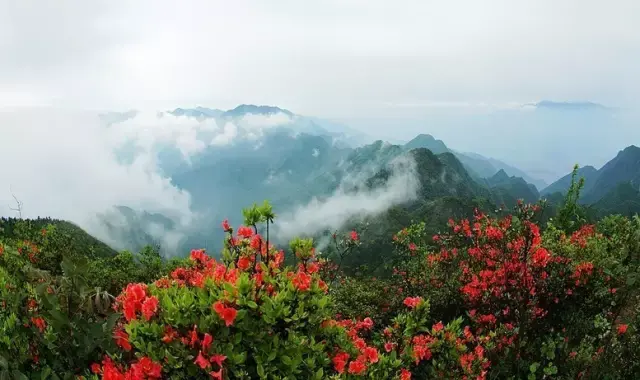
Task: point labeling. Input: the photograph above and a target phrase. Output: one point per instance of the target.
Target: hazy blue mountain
(625, 167)
(428, 142)
(478, 166)
(500, 165)
(589, 173)
(197, 112)
(244, 109)
(507, 189)
(291, 159)
(601, 183)
(623, 199)
(568, 106)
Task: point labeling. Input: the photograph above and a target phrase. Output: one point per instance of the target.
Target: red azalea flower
(149, 307)
(146, 367)
(245, 232)
(40, 323)
(194, 336)
(622, 329)
(169, 334)
(302, 281)
(228, 314)
(367, 323)
(122, 339)
(201, 361)
(244, 263)
(405, 375)
(412, 302)
(206, 341)
(340, 361)
(218, 359)
(357, 367)
(372, 354)
(388, 346)
(96, 368)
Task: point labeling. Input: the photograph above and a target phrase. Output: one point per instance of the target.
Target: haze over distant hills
(186, 169)
(226, 160)
(614, 187)
(544, 139)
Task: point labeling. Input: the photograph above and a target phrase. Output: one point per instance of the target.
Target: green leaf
(19, 375)
(45, 373)
(261, 371)
(534, 367)
(3, 362)
(551, 370)
(240, 358)
(252, 304)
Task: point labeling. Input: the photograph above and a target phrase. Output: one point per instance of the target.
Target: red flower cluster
(227, 314)
(412, 302)
(581, 236)
(39, 322)
(302, 281)
(366, 354)
(143, 368)
(134, 299)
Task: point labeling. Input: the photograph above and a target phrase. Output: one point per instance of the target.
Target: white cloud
(150, 130)
(229, 133)
(62, 164)
(315, 152)
(345, 205)
(259, 121)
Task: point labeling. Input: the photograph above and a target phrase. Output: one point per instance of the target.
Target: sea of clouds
(71, 165)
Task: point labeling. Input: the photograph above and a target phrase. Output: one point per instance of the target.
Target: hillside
(624, 199)
(604, 182)
(446, 189)
(73, 238)
(477, 165)
(589, 173)
(625, 167)
(507, 190)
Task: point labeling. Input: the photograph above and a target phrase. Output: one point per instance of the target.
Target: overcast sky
(332, 58)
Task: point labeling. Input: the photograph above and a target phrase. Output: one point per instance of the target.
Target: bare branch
(19, 204)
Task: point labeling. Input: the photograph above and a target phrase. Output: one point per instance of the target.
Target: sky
(332, 58)
(459, 70)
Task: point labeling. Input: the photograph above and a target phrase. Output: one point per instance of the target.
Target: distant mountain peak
(567, 105)
(501, 175)
(429, 142)
(244, 109)
(425, 136)
(630, 150)
(196, 112)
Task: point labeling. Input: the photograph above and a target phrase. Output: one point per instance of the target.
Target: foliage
(51, 325)
(571, 214)
(491, 296)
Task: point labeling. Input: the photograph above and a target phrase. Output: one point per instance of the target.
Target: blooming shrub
(537, 303)
(244, 317)
(48, 324)
(492, 297)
